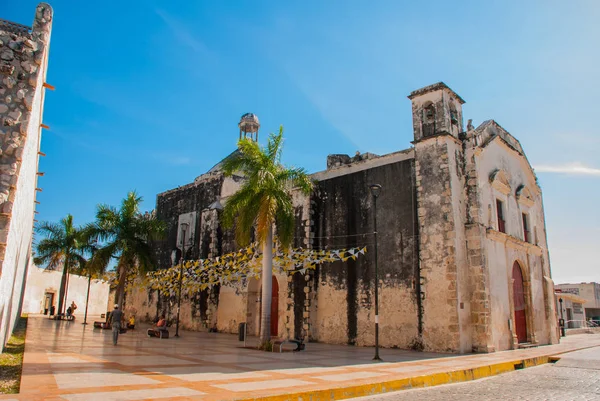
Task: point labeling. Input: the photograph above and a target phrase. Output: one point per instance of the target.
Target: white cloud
(183, 34)
(575, 168)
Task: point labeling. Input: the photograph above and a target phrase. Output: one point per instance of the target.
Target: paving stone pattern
(575, 377)
(68, 361)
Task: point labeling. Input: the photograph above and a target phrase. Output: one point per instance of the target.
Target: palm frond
(265, 197)
(248, 155)
(130, 206)
(50, 229)
(297, 178)
(285, 220)
(275, 146)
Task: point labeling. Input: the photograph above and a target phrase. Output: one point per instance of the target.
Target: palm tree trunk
(267, 281)
(63, 285)
(121, 286)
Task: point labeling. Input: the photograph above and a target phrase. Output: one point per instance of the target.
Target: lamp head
(375, 189)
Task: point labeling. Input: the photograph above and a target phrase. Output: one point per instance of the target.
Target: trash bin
(242, 331)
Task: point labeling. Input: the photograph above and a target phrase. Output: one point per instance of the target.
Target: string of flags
(245, 263)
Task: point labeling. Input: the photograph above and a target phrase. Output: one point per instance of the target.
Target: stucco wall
(40, 281)
(344, 310)
(504, 249)
(23, 64)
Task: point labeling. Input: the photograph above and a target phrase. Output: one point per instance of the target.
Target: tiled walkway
(69, 361)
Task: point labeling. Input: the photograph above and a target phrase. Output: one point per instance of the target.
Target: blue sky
(148, 93)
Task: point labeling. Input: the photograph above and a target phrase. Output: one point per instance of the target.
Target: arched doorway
(519, 303)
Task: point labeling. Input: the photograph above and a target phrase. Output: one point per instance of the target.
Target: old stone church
(462, 252)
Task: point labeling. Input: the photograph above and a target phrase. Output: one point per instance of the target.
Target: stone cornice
(433, 88)
(499, 180)
(437, 136)
(513, 242)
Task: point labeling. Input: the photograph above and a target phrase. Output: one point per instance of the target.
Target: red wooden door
(274, 307)
(519, 302)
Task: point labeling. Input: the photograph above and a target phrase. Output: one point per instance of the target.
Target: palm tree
(61, 247)
(89, 267)
(125, 234)
(263, 200)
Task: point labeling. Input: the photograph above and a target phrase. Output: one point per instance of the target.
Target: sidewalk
(68, 361)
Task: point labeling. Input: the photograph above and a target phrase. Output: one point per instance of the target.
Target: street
(575, 377)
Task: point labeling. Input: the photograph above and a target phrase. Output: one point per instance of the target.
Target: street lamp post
(184, 227)
(87, 298)
(562, 320)
(375, 190)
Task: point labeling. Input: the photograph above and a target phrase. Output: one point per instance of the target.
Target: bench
(62, 317)
(300, 346)
(158, 333)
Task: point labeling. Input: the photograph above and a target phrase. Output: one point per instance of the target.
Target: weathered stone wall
(191, 198)
(344, 291)
(438, 250)
(456, 165)
(300, 295)
(23, 65)
(195, 203)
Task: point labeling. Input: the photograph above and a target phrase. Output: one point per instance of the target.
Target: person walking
(115, 321)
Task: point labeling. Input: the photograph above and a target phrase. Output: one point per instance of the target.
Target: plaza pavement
(70, 361)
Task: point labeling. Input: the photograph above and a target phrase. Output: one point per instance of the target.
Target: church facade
(462, 261)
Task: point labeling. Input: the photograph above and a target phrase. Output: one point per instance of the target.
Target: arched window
(453, 114)
(428, 119)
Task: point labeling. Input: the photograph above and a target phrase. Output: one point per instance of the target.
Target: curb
(429, 380)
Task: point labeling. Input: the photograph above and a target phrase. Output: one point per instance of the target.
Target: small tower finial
(249, 124)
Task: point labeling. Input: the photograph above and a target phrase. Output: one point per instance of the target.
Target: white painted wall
(40, 281)
(18, 241)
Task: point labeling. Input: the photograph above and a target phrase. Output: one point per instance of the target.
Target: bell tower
(440, 188)
(436, 110)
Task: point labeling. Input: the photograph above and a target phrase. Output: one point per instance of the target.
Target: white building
(590, 292)
(570, 307)
(42, 288)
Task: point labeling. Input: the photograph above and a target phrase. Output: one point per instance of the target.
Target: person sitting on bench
(161, 328)
(131, 322)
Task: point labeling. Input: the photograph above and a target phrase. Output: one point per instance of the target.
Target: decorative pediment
(499, 180)
(524, 195)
